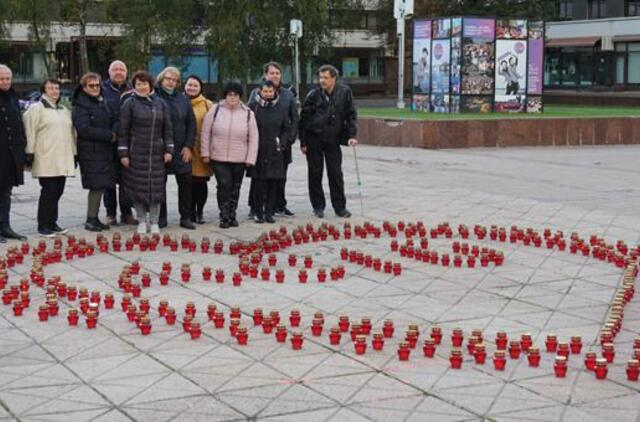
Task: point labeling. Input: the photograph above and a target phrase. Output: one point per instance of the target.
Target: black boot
(93, 225)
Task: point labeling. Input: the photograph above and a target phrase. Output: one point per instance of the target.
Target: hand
(125, 162)
(352, 142)
(186, 154)
(167, 157)
(304, 150)
(248, 164)
(206, 160)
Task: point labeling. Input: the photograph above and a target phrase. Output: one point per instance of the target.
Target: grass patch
(551, 111)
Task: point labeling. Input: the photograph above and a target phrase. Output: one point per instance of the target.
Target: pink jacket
(232, 137)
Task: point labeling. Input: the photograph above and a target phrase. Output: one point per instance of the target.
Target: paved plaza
(50, 371)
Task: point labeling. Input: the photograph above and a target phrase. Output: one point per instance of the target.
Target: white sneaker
(142, 228)
(155, 229)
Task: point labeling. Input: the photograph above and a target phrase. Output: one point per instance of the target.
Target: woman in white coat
(51, 153)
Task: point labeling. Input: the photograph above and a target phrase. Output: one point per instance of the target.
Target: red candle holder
(551, 343)
(456, 337)
(377, 264)
(109, 301)
(72, 317)
(608, 352)
(292, 260)
(576, 345)
(242, 336)
(560, 367)
(190, 309)
(378, 341)
(136, 290)
(499, 360)
(397, 269)
(514, 349)
(170, 316)
(281, 333)
(316, 327)
(294, 318)
(43, 313)
(258, 316)
(303, 276)
(335, 336)
(162, 307)
(526, 342)
(17, 308)
(633, 369)
(234, 323)
(436, 335)
(404, 351)
(388, 328)
(563, 350)
(480, 354)
(501, 340)
(356, 330)
(601, 369)
(534, 357)
(388, 267)
(186, 323)
(92, 320)
(297, 340)
(455, 359)
(590, 360)
(360, 345)
(195, 331)
(280, 276)
(267, 325)
(429, 348)
(411, 338)
(265, 273)
(365, 326)
(308, 261)
(145, 326)
(343, 323)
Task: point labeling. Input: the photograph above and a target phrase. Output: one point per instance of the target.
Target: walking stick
(355, 156)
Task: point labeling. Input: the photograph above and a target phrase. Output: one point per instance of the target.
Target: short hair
(142, 76)
(329, 68)
(266, 66)
(48, 81)
(90, 76)
(168, 69)
(7, 68)
(232, 86)
(115, 62)
(267, 84)
(197, 78)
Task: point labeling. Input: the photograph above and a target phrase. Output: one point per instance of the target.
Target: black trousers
(317, 156)
(199, 195)
(265, 196)
(229, 178)
(184, 198)
(51, 189)
(112, 197)
(5, 207)
(281, 200)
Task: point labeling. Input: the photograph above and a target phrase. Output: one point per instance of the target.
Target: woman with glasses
(95, 126)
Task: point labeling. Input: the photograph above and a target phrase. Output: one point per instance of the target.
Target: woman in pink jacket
(229, 141)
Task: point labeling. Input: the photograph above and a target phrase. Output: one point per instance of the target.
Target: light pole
(402, 9)
(295, 31)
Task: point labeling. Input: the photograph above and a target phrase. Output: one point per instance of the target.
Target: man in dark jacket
(184, 134)
(12, 155)
(273, 73)
(112, 90)
(328, 120)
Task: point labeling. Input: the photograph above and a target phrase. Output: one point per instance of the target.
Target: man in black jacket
(12, 151)
(273, 73)
(328, 120)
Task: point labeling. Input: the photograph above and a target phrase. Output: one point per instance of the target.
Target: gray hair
(169, 69)
(6, 68)
(115, 62)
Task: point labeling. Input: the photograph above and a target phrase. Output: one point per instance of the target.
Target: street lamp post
(295, 31)
(402, 9)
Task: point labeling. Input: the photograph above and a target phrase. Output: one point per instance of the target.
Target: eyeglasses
(167, 78)
(93, 86)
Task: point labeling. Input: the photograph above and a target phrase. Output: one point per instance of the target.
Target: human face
(92, 87)
(192, 88)
(5, 80)
(52, 91)
(142, 88)
(267, 93)
(233, 99)
(274, 76)
(170, 80)
(118, 73)
(327, 82)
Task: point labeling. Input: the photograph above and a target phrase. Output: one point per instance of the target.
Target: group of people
(132, 134)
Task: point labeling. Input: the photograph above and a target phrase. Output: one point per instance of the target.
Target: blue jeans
(5, 207)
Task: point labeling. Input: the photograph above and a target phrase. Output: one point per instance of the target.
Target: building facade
(595, 45)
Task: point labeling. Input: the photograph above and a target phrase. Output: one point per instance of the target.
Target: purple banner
(484, 29)
(536, 52)
(422, 29)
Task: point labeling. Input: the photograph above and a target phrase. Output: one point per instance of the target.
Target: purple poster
(536, 58)
(477, 28)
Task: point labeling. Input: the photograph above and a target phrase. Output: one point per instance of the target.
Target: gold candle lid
(499, 353)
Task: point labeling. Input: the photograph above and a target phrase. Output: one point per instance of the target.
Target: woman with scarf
(201, 172)
(275, 135)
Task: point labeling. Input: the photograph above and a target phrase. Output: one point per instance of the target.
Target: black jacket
(183, 122)
(288, 100)
(328, 118)
(276, 136)
(145, 135)
(113, 95)
(12, 141)
(95, 125)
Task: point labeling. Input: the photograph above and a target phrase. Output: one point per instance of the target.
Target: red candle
(294, 318)
(360, 345)
(237, 279)
(334, 336)
(365, 326)
(378, 341)
(404, 350)
(601, 368)
(316, 327)
(170, 316)
(514, 349)
(560, 366)
(92, 320)
(501, 340)
(525, 342)
(343, 323)
(499, 360)
(218, 319)
(436, 334)
(296, 340)
(551, 343)
(534, 357)
(633, 368)
(456, 358)
(480, 353)
(281, 333)
(17, 308)
(590, 360)
(302, 276)
(162, 307)
(387, 328)
(242, 336)
(563, 349)
(43, 313)
(429, 347)
(267, 325)
(145, 326)
(608, 352)
(72, 317)
(194, 330)
(456, 337)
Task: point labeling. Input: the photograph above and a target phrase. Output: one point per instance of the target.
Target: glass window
(634, 46)
(585, 69)
(633, 8)
(597, 9)
(633, 68)
(620, 46)
(620, 65)
(565, 9)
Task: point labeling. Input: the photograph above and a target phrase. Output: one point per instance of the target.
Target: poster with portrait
(476, 104)
(456, 63)
(511, 29)
(440, 103)
(535, 73)
(440, 66)
(441, 28)
(511, 75)
(478, 56)
(455, 104)
(534, 104)
(421, 56)
(420, 102)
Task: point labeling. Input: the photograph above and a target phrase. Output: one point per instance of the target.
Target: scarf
(267, 103)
